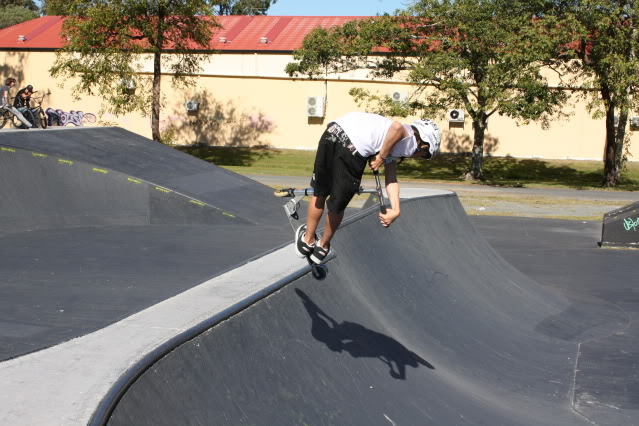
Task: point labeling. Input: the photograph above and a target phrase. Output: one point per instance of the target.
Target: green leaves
(360, 44)
(608, 33)
(108, 42)
(484, 56)
(243, 7)
(14, 14)
(609, 43)
(320, 50)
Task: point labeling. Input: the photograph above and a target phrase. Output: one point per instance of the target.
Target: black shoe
(320, 254)
(301, 248)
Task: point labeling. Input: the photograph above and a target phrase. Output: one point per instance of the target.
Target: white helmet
(428, 132)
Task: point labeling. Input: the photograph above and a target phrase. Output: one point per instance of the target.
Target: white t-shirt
(367, 132)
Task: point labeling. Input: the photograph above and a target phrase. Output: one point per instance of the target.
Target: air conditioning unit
(192, 106)
(456, 116)
(634, 123)
(315, 106)
(399, 96)
(129, 84)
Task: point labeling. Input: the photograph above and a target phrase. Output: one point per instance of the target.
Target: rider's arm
(392, 191)
(395, 133)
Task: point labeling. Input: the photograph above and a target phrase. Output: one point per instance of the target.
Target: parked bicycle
(7, 117)
(38, 113)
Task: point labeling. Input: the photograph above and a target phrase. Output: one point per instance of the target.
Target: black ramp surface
(128, 153)
(98, 224)
(621, 227)
(422, 323)
(565, 255)
(41, 191)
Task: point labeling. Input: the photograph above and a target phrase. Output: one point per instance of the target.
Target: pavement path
(477, 199)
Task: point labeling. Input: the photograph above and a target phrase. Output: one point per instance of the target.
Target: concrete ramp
(422, 323)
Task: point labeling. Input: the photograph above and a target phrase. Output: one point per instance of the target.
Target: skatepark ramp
(97, 224)
(421, 323)
(63, 193)
(109, 176)
(620, 227)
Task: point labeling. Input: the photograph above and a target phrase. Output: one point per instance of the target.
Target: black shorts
(338, 170)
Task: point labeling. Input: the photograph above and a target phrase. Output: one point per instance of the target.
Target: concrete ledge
(64, 384)
(406, 191)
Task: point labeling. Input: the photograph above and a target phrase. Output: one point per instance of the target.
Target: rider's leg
(28, 114)
(19, 115)
(31, 117)
(333, 220)
(315, 210)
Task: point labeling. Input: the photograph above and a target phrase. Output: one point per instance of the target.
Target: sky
(333, 7)
(336, 7)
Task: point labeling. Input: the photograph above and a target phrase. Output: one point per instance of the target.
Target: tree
(485, 56)
(243, 7)
(109, 41)
(607, 67)
(12, 15)
(56, 7)
(27, 4)
(220, 7)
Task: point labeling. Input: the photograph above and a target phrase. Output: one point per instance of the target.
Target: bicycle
(6, 116)
(39, 114)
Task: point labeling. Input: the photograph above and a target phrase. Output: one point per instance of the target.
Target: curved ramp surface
(97, 224)
(113, 148)
(422, 323)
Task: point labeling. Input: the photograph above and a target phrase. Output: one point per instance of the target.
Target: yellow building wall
(247, 99)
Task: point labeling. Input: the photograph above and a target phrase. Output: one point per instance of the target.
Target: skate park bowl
(420, 323)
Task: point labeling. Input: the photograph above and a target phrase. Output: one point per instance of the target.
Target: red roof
(242, 33)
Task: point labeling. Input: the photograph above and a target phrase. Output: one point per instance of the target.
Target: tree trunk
(479, 130)
(615, 135)
(620, 137)
(157, 75)
(155, 102)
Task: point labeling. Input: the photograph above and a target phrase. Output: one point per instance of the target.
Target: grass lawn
(499, 171)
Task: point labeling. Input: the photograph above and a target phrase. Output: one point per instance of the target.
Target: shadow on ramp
(358, 341)
(421, 323)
